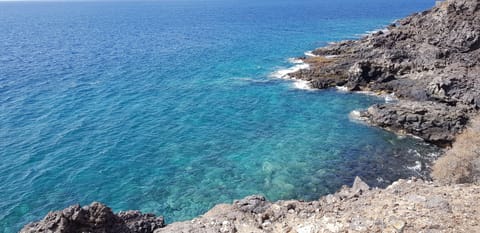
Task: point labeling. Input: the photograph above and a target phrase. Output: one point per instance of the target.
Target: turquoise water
(169, 107)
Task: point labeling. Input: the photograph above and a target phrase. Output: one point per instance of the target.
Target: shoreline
(435, 83)
(437, 115)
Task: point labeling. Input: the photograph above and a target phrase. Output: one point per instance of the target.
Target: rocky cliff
(429, 60)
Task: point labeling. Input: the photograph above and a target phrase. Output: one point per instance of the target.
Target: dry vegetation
(461, 164)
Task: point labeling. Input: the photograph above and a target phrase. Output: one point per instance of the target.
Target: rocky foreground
(405, 206)
(430, 61)
(95, 218)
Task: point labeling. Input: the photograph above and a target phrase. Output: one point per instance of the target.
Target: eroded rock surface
(431, 58)
(433, 121)
(95, 218)
(405, 206)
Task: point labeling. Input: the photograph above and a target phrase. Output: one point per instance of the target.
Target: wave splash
(299, 64)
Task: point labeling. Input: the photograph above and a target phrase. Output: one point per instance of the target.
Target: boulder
(95, 218)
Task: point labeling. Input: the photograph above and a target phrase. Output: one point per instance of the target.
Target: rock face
(405, 206)
(431, 59)
(95, 218)
(434, 122)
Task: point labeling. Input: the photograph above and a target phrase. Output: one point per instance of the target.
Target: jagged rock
(434, 122)
(409, 205)
(416, 206)
(359, 186)
(95, 218)
(428, 57)
(253, 204)
(141, 223)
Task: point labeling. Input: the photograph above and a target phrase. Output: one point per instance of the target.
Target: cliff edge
(430, 61)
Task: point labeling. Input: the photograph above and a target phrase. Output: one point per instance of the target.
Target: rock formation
(95, 218)
(430, 59)
(405, 206)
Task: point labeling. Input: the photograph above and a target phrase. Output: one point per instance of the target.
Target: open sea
(172, 106)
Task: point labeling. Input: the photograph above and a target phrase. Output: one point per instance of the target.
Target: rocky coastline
(430, 62)
(411, 205)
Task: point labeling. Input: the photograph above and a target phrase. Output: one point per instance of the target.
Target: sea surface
(171, 106)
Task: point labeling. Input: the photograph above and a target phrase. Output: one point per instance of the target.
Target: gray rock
(95, 218)
(136, 221)
(438, 203)
(252, 204)
(432, 121)
(359, 186)
(419, 60)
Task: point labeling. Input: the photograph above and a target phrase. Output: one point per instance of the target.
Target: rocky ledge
(95, 218)
(405, 206)
(429, 60)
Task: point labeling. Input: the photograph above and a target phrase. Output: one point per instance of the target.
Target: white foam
(295, 61)
(417, 167)
(384, 30)
(302, 84)
(368, 93)
(342, 88)
(380, 179)
(284, 73)
(414, 152)
(433, 155)
(310, 54)
(390, 98)
(356, 116)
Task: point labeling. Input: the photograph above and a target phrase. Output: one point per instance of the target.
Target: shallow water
(170, 107)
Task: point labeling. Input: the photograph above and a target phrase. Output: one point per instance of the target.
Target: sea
(174, 106)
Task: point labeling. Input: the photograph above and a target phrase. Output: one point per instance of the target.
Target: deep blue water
(170, 107)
